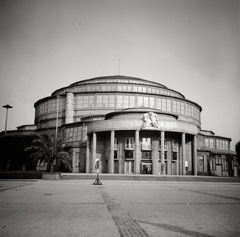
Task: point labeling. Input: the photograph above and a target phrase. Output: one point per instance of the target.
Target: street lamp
(6, 107)
(57, 115)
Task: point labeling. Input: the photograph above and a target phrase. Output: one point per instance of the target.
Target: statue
(150, 120)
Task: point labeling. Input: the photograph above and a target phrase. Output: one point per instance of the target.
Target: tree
(48, 147)
(12, 152)
(237, 149)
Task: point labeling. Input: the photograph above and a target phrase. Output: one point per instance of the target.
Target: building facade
(133, 126)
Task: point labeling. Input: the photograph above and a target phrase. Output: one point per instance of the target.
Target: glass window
(213, 163)
(165, 145)
(49, 106)
(45, 107)
(139, 89)
(140, 101)
(129, 154)
(144, 89)
(174, 146)
(187, 109)
(132, 101)
(211, 142)
(223, 164)
(159, 104)
(111, 101)
(227, 145)
(182, 108)
(79, 133)
(79, 101)
(145, 100)
(146, 155)
(105, 100)
(91, 101)
(165, 155)
(218, 161)
(85, 102)
(126, 101)
(146, 143)
(195, 112)
(174, 106)
(99, 100)
(116, 143)
(119, 101)
(178, 107)
(174, 156)
(169, 105)
(75, 134)
(206, 142)
(164, 105)
(151, 102)
(191, 111)
(129, 141)
(221, 144)
(71, 134)
(115, 154)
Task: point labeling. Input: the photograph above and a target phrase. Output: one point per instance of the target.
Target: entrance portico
(142, 149)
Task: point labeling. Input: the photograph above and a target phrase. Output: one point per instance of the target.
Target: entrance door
(174, 167)
(219, 170)
(200, 163)
(129, 167)
(116, 167)
(160, 167)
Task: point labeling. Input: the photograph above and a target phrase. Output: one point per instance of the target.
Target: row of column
(137, 155)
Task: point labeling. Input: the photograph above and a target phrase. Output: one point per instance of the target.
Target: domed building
(132, 126)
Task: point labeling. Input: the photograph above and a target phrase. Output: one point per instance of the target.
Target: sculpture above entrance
(150, 121)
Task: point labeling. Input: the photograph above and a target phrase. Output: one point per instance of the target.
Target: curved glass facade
(103, 95)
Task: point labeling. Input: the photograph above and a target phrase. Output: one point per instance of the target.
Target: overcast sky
(191, 46)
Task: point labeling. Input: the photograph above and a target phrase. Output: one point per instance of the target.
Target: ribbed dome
(117, 79)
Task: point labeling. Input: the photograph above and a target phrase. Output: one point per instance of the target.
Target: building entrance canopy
(142, 120)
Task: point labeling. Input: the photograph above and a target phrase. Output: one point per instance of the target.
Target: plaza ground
(119, 208)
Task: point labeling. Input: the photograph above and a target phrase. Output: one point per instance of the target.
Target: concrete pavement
(119, 208)
(183, 178)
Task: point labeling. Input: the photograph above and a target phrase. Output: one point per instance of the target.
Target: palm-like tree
(50, 149)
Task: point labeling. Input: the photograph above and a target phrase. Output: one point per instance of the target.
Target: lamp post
(6, 107)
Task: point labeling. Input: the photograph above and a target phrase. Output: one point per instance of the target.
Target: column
(155, 155)
(195, 154)
(69, 108)
(162, 153)
(137, 153)
(87, 155)
(183, 153)
(111, 157)
(94, 151)
(120, 156)
(84, 132)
